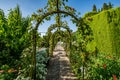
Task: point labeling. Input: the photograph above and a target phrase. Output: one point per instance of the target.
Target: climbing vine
(56, 7)
(56, 35)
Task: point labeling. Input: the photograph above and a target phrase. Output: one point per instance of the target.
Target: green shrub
(7, 73)
(104, 67)
(41, 61)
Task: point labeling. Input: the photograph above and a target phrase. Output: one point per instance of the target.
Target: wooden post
(33, 69)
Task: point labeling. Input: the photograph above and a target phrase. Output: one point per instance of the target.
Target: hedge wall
(106, 29)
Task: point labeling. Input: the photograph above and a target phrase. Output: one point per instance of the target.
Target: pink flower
(1, 71)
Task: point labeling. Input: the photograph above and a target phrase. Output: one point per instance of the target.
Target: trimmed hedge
(106, 30)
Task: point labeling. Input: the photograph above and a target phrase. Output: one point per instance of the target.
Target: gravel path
(59, 66)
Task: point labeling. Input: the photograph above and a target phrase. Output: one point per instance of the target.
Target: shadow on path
(59, 66)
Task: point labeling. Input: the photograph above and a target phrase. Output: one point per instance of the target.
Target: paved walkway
(59, 66)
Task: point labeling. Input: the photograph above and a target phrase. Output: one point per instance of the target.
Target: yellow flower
(10, 70)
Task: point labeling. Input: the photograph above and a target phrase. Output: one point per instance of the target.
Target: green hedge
(106, 29)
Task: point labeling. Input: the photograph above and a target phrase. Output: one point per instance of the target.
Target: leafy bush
(104, 67)
(14, 36)
(96, 67)
(7, 73)
(24, 65)
(20, 77)
(79, 55)
(41, 61)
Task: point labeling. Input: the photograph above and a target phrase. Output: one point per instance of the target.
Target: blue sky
(29, 6)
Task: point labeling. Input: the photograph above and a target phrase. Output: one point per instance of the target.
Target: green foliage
(42, 59)
(5, 67)
(51, 8)
(25, 65)
(45, 41)
(110, 5)
(84, 35)
(14, 36)
(79, 61)
(106, 28)
(7, 76)
(107, 6)
(58, 35)
(104, 67)
(79, 55)
(7, 73)
(76, 61)
(89, 14)
(22, 78)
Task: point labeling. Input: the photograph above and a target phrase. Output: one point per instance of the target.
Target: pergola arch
(39, 20)
(61, 35)
(52, 27)
(42, 17)
(67, 39)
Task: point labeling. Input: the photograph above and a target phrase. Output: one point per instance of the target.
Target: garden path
(59, 66)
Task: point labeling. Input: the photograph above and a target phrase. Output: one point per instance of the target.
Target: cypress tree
(105, 6)
(94, 8)
(110, 5)
(98, 10)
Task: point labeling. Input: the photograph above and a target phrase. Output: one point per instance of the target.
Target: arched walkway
(58, 8)
(59, 66)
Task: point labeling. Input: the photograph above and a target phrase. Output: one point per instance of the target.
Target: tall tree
(105, 6)
(110, 5)
(94, 8)
(18, 29)
(3, 29)
(98, 10)
(15, 35)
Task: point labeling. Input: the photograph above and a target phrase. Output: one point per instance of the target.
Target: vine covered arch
(52, 35)
(53, 7)
(66, 40)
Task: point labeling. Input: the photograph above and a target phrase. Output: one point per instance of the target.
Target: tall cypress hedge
(106, 29)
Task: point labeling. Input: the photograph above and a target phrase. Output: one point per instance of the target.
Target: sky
(29, 6)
